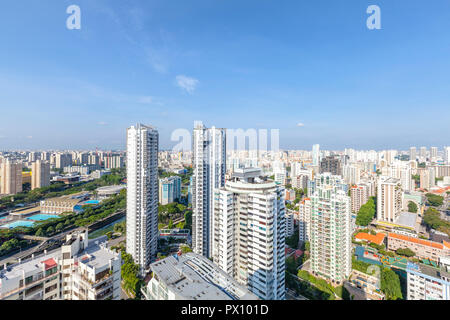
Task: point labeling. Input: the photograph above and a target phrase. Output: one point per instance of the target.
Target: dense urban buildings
(142, 194)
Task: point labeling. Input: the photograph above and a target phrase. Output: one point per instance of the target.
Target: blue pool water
(92, 202)
(42, 217)
(20, 223)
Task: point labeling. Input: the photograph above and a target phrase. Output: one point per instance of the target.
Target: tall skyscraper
(316, 155)
(250, 230)
(412, 153)
(389, 199)
(330, 228)
(209, 164)
(11, 177)
(142, 194)
(40, 174)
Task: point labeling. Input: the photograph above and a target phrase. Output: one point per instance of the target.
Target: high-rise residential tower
(40, 174)
(316, 155)
(209, 164)
(10, 177)
(250, 230)
(330, 228)
(389, 199)
(447, 155)
(412, 153)
(142, 194)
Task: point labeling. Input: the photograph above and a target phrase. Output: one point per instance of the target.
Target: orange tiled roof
(419, 241)
(378, 238)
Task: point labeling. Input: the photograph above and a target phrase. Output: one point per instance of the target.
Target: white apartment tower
(304, 221)
(250, 228)
(447, 155)
(11, 177)
(209, 164)
(316, 155)
(330, 228)
(142, 193)
(40, 174)
(389, 199)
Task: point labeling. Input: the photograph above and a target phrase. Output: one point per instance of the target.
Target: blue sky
(233, 64)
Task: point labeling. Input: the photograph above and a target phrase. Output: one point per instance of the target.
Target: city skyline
(315, 72)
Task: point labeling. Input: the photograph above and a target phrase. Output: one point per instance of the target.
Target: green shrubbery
(366, 213)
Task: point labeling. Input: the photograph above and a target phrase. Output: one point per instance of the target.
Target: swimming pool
(19, 223)
(42, 217)
(92, 202)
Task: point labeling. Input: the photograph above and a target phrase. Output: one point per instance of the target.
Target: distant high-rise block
(11, 177)
(40, 174)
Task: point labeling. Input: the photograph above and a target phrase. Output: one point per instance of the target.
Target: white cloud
(186, 83)
(29, 137)
(146, 100)
(300, 124)
(102, 123)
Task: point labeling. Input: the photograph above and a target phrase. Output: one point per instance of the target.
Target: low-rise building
(427, 282)
(369, 285)
(424, 249)
(61, 205)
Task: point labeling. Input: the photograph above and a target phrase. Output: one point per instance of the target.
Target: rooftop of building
(377, 239)
(194, 277)
(423, 242)
(434, 272)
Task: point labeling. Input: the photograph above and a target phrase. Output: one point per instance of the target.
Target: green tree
(412, 207)
(59, 226)
(50, 230)
(390, 284)
(405, 252)
(434, 200)
(40, 233)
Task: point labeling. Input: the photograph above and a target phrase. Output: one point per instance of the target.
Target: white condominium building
(359, 195)
(192, 277)
(142, 194)
(330, 228)
(81, 270)
(316, 155)
(425, 282)
(10, 177)
(209, 146)
(447, 155)
(389, 199)
(250, 227)
(40, 174)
